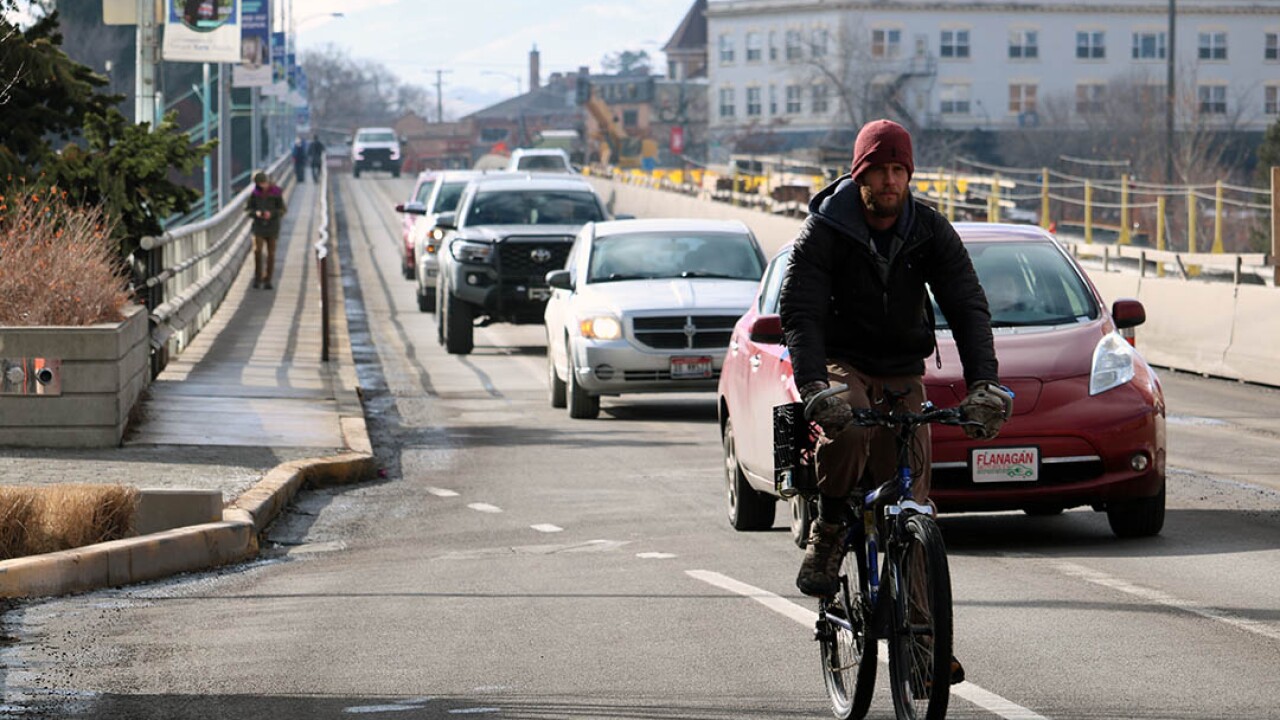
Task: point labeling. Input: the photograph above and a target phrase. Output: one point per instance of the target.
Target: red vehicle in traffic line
(409, 211)
(1088, 425)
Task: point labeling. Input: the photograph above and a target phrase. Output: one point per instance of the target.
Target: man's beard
(880, 209)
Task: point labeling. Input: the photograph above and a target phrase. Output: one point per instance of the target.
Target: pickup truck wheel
(748, 508)
(556, 386)
(582, 405)
(459, 331)
(426, 300)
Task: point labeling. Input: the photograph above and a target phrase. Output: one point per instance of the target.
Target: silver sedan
(646, 306)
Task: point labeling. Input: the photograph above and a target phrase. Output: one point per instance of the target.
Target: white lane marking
(973, 693)
(367, 709)
(485, 508)
(655, 555)
(1097, 577)
(547, 528)
(474, 711)
(441, 492)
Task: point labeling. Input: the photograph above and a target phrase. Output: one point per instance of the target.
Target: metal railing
(322, 261)
(191, 268)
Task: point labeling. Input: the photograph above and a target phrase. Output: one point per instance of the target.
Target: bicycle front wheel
(920, 641)
(848, 650)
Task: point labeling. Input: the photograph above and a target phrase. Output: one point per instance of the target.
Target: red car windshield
(1026, 284)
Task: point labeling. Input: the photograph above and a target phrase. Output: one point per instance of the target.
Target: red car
(1088, 425)
(417, 201)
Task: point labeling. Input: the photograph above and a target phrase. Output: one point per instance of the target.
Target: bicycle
(904, 598)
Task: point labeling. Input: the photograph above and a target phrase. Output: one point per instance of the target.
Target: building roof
(552, 98)
(691, 35)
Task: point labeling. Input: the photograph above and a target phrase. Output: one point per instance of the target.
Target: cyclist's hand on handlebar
(989, 405)
(833, 413)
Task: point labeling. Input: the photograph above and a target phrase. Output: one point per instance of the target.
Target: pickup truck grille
(684, 332)
(527, 260)
(376, 154)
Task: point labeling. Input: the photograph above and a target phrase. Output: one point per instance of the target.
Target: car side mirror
(447, 221)
(400, 207)
(767, 330)
(560, 279)
(1128, 313)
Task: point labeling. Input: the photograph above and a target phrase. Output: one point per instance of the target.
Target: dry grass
(36, 520)
(58, 263)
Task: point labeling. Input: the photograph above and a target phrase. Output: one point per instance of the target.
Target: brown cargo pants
(842, 460)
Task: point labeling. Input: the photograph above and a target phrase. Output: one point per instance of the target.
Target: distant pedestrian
(266, 207)
(300, 160)
(315, 151)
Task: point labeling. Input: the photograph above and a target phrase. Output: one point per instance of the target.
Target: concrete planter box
(101, 372)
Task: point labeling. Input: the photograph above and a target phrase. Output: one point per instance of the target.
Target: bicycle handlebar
(870, 417)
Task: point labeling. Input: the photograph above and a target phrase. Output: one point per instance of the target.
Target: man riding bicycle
(855, 311)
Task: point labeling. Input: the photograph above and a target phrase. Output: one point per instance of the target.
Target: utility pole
(440, 95)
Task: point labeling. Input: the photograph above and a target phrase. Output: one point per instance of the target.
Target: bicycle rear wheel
(848, 654)
(920, 642)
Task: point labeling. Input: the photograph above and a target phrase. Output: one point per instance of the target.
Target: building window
(1271, 102)
(886, 44)
(794, 41)
(1090, 98)
(819, 43)
(630, 118)
(726, 49)
(1213, 99)
(726, 102)
(793, 99)
(1148, 46)
(955, 98)
(753, 101)
(773, 46)
(1091, 45)
(1024, 44)
(1022, 98)
(1271, 47)
(820, 99)
(773, 99)
(754, 50)
(1213, 46)
(955, 44)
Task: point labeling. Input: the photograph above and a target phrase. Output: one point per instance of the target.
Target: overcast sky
(484, 44)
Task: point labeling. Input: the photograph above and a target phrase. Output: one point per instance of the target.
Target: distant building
(796, 73)
(434, 146)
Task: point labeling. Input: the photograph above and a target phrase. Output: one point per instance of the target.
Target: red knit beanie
(880, 142)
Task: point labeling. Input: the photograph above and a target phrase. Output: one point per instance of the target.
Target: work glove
(832, 414)
(988, 404)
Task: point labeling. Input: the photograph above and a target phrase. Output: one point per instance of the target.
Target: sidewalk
(248, 409)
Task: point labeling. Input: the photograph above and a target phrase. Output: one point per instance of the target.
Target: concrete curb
(211, 545)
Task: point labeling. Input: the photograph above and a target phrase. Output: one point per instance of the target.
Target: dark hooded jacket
(269, 198)
(843, 300)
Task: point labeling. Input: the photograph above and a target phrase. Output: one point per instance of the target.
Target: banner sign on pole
(254, 69)
(277, 88)
(202, 31)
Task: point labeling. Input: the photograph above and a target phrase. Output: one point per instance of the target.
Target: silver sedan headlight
(1113, 360)
(600, 327)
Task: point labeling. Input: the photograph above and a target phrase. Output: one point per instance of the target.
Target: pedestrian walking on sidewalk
(315, 151)
(300, 160)
(266, 207)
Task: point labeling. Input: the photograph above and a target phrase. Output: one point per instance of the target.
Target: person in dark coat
(267, 207)
(315, 151)
(855, 311)
(300, 160)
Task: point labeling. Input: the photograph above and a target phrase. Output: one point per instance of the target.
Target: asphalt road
(516, 563)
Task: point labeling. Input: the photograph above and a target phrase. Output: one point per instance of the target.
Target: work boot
(820, 570)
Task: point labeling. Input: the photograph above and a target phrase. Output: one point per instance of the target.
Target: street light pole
(1171, 94)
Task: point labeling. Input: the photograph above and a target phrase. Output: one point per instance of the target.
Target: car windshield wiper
(620, 276)
(704, 274)
(1042, 322)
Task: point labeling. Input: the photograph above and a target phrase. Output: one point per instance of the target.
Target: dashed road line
(973, 693)
(547, 528)
(655, 555)
(442, 492)
(485, 508)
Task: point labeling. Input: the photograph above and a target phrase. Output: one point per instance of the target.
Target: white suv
(540, 160)
(375, 148)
